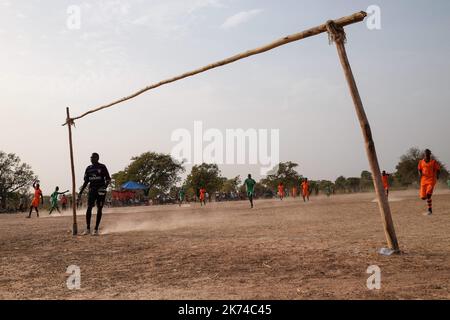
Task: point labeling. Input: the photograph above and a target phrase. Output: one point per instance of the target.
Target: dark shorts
(94, 198)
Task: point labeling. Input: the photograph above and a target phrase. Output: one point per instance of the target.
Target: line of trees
(161, 173)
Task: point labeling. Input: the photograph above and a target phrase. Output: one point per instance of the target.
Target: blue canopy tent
(131, 185)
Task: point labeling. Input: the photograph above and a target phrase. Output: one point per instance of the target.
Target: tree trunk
(3, 196)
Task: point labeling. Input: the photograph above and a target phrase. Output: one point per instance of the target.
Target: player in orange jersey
(305, 190)
(281, 190)
(294, 192)
(202, 196)
(385, 179)
(429, 171)
(36, 199)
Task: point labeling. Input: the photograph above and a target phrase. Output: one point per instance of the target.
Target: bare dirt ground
(279, 250)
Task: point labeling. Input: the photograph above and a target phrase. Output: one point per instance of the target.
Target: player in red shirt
(281, 190)
(202, 196)
(305, 190)
(294, 192)
(36, 199)
(385, 179)
(64, 202)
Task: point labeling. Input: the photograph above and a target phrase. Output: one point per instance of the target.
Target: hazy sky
(403, 73)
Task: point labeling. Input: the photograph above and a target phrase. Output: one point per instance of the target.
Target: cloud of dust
(172, 222)
(67, 213)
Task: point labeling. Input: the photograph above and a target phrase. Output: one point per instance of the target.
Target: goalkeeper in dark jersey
(98, 179)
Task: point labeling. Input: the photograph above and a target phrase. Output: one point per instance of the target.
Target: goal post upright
(337, 35)
(69, 123)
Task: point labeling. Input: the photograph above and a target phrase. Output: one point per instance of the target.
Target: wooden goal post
(335, 30)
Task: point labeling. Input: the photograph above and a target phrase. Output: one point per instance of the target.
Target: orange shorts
(426, 189)
(35, 202)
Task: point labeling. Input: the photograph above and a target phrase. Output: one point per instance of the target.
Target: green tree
(366, 182)
(160, 172)
(314, 187)
(119, 178)
(207, 176)
(15, 176)
(326, 186)
(354, 184)
(407, 173)
(231, 185)
(284, 172)
(341, 184)
(174, 191)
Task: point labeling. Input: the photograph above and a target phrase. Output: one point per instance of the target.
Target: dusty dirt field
(279, 250)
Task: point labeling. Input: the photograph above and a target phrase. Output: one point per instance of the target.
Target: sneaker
(86, 232)
(428, 213)
(95, 233)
